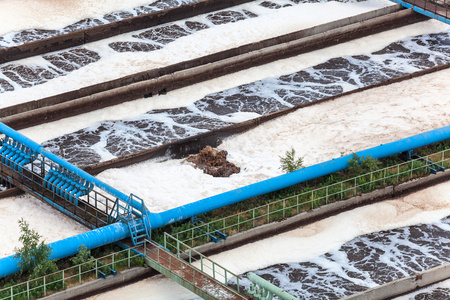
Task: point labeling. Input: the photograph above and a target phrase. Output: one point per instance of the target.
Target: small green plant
(33, 256)
(289, 163)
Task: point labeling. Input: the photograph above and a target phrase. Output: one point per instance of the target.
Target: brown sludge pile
(213, 162)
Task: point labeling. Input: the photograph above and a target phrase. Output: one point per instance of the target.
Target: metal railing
(73, 276)
(98, 208)
(295, 204)
(192, 269)
(437, 7)
(198, 260)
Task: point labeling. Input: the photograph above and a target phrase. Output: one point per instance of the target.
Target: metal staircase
(138, 231)
(435, 9)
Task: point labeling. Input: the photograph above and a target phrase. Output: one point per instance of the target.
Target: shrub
(289, 163)
(83, 257)
(362, 165)
(33, 256)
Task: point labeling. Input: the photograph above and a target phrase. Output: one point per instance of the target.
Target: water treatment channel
(400, 118)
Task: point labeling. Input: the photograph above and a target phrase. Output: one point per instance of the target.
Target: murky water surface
(365, 262)
(26, 36)
(14, 76)
(335, 76)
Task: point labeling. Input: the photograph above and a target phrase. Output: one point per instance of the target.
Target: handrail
(295, 204)
(75, 275)
(206, 265)
(174, 266)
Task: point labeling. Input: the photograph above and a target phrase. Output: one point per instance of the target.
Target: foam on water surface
(256, 24)
(333, 77)
(54, 15)
(344, 254)
(48, 222)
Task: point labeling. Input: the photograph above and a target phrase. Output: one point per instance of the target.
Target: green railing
(192, 270)
(73, 276)
(199, 261)
(292, 205)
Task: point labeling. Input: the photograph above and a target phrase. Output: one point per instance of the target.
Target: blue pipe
(119, 231)
(290, 179)
(64, 248)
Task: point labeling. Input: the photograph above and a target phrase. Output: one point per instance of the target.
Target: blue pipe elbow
(64, 248)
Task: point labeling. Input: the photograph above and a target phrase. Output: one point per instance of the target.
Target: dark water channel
(365, 262)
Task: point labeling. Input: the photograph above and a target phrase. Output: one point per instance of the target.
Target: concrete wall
(404, 285)
(98, 285)
(322, 212)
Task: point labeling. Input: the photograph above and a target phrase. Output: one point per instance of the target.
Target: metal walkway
(195, 272)
(435, 9)
(28, 166)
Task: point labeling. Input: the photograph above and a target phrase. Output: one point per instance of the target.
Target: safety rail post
(190, 256)
(201, 263)
(129, 257)
(239, 222)
(253, 218)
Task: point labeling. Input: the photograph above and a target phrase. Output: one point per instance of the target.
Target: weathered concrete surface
(101, 284)
(404, 285)
(321, 213)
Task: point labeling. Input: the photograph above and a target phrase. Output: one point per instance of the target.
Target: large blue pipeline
(290, 179)
(119, 231)
(67, 247)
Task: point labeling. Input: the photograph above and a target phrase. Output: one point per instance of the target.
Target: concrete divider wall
(81, 37)
(213, 138)
(151, 74)
(98, 285)
(404, 285)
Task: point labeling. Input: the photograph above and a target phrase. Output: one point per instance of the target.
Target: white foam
(317, 133)
(303, 244)
(113, 65)
(48, 222)
(345, 125)
(19, 15)
(186, 96)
